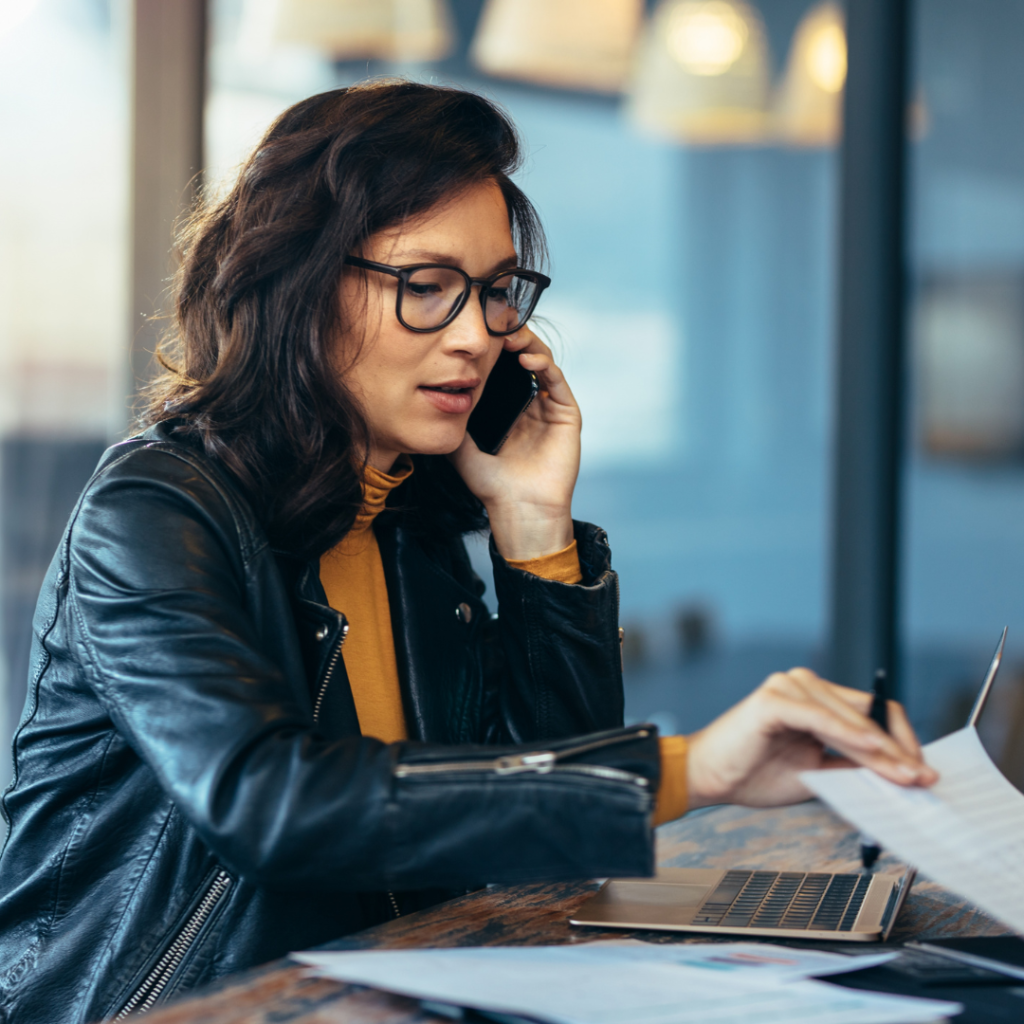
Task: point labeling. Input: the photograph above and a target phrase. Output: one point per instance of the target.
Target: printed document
(782, 963)
(592, 984)
(966, 832)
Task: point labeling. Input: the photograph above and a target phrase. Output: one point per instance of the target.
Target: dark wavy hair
(250, 362)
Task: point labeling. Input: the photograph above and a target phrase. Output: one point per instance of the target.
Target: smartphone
(507, 395)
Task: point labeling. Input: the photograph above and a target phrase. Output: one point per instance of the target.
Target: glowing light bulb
(707, 37)
(702, 74)
(826, 58)
(808, 110)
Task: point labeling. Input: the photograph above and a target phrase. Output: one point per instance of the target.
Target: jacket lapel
(435, 619)
(320, 633)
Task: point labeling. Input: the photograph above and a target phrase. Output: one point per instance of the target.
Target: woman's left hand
(754, 753)
(527, 487)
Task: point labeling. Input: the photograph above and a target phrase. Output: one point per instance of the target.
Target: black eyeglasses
(432, 295)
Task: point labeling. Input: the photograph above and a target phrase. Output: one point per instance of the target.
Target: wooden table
(805, 837)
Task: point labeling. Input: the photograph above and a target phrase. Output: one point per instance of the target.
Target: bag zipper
(331, 666)
(542, 763)
(156, 981)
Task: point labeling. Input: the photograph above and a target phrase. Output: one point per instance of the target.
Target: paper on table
(760, 959)
(966, 832)
(565, 985)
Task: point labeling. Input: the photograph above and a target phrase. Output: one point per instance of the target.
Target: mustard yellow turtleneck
(352, 575)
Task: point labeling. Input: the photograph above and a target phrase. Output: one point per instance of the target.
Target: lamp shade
(399, 30)
(809, 103)
(702, 73)
(577, 44)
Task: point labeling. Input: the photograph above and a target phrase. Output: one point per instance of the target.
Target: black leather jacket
(192, 795)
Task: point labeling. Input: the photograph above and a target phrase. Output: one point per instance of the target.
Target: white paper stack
(633, 983)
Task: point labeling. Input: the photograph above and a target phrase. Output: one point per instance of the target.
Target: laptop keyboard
(785, 899)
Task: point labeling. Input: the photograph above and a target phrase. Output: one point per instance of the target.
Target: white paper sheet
(568, 985)
(966, 832)
(760, 959)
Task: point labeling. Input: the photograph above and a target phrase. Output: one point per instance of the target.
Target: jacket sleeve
(560, 664)
(160, 589)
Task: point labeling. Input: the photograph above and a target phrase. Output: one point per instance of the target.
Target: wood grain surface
(805, 837)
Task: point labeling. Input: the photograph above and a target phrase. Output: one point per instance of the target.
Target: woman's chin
(442, 443)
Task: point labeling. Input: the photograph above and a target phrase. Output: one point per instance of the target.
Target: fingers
(524, 340)
(536, 357)
(836, 717)
(901, 729)
(550, 378)
(865, 745)
(860, 701)
(899, 725)
(851, 705)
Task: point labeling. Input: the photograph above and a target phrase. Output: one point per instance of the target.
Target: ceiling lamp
(398, 30)
(569, 44)
(702, 73)
(809, 106)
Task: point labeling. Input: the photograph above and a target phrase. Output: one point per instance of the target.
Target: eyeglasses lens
(509, 301)
(430, 296)
(433, 293)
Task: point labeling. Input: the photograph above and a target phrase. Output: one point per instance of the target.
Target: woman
(205, 778)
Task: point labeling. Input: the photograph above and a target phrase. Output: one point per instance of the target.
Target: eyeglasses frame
(403, 274)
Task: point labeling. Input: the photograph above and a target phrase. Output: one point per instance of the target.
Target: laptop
(847, 907)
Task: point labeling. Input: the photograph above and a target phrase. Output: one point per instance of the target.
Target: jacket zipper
(156, 981)
(542, 763)
(321, 693)
(394, 905)
(331, 666)
(622, 632)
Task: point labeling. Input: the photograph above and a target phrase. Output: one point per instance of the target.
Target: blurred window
(964, 517)
(63, 237)
(63, 185)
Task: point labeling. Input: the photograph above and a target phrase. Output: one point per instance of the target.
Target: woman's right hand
(754, 753)
(527, 487)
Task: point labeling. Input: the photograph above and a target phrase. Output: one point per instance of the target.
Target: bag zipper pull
(541, 763)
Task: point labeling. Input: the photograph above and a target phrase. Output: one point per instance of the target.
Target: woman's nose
(468, 331)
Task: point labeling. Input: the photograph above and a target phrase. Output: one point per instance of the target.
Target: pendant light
(397, 30)
(702, 73)
(575, 44)
(809, 106)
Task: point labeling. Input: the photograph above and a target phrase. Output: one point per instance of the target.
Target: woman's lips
(454, 402)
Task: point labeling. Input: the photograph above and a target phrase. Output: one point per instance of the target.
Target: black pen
(879, 713)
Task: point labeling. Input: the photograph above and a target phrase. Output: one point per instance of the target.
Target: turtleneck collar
(376, 488)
